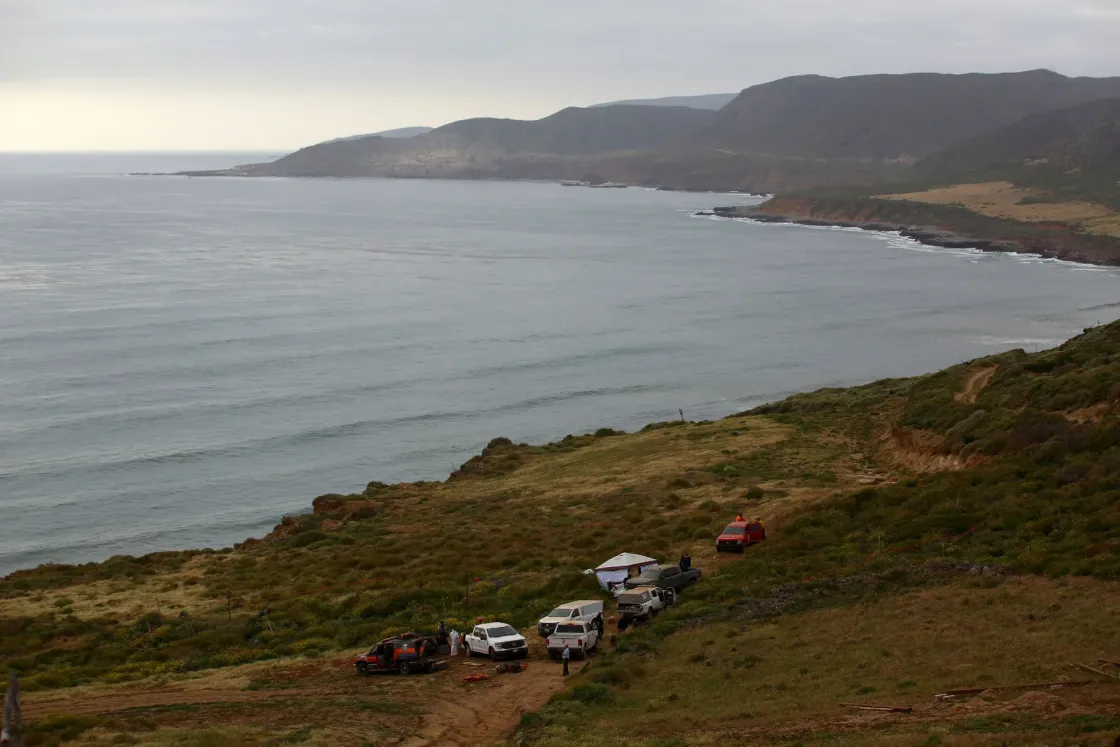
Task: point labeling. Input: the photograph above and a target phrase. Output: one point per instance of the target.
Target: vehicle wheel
(406, 668)
(742, 549)
(429, 667)
(655, 613)
(552, 655)
(523, 655)
(719, 549)
(493, 655)
(362, 668)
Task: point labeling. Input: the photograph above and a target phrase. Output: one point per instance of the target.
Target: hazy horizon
(251, 75)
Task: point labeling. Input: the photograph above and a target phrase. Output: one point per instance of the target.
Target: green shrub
(592, 693)
(58, 729)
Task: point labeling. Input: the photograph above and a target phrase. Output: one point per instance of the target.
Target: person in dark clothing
(441, 631)
(683, 563)
(566, 655)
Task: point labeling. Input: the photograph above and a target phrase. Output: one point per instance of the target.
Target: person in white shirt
(453, 639)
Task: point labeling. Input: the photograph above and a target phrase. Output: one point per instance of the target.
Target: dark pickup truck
(664, 577)
(404, 654)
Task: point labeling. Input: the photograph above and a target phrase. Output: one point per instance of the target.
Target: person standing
(566, 655)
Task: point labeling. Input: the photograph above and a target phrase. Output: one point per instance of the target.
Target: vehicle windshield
(501, 631)
(732, 529)
(569, 628)
(650, 572)
(560, 612)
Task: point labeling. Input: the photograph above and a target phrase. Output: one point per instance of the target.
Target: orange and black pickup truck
(404, 654)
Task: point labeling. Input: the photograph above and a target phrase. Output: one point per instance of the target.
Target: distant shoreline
(1062, 244)
(234, 173)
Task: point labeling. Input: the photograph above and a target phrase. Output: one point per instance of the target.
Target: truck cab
(739, 535)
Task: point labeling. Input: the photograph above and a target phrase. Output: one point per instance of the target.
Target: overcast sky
(277, 74)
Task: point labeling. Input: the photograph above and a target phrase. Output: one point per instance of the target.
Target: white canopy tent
(614, 571)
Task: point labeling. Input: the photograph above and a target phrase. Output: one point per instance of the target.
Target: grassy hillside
(1033, 137)
(925, 533)
(1070, 154)
(489, 147)
(888, 116)
(574, 131)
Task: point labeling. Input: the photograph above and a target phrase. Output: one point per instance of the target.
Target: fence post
(12, 734)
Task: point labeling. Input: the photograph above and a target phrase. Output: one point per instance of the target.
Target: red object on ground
(476, 677)
(739, 535)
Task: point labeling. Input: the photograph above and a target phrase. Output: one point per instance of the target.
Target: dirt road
(325, 693)
(975, 384)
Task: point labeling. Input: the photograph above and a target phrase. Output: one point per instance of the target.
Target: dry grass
(1003, 200)
(316, 701)
(169, 592)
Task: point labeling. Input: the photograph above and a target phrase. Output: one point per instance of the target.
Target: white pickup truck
(580, 636)
(496, 640)
(643, 603)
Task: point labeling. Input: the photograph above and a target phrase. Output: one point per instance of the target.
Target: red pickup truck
(739, 535)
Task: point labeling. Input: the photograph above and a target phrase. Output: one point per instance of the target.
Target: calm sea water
(183, 361)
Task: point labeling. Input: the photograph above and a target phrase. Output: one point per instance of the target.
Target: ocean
(185, 361)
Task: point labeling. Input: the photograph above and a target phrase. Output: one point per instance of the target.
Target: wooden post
(681, 411)
(12, 734)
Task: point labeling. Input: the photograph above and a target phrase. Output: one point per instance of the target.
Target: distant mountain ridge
(485, 147)
(400, 132)
(790, 134)
(1035, 137)
(1071, 153)
(888, 117)
(712, 101)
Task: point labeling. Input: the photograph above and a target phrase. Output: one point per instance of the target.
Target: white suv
(586, 610)
(496, 640)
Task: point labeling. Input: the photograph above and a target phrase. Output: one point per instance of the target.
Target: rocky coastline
(1048, 241)
(925, 235)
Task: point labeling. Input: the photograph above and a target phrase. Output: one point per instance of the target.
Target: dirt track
(485, 712)
(977, 380)
(329, 694)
